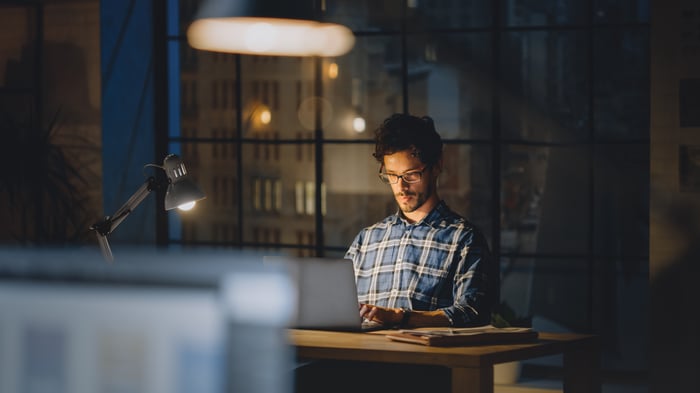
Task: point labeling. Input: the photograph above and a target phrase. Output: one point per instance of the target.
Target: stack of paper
(464, 336)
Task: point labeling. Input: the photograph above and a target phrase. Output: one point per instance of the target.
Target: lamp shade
(266, 27)
(181, 189)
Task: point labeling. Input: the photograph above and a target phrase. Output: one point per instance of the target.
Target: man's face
(409, 196)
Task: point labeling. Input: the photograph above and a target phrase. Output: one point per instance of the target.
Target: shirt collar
(436, 217)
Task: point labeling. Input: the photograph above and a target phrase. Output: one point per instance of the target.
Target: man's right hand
(383, 315)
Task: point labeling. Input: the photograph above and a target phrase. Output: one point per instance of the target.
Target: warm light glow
(260, 37)
(358, 124)
(265, 116)
(260, 116)
(187, 206)
(333, 70)
(270, 36)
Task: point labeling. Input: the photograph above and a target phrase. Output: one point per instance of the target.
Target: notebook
(326, 293)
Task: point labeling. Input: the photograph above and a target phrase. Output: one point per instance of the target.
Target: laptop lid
(326, 292)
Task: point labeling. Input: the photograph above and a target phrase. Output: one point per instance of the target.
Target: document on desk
(452, 337)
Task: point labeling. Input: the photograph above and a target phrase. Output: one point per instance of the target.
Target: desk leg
(582, 370)
(472, 380)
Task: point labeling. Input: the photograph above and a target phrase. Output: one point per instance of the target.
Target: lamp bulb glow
(265, 116)
(270, 36)
(358, 124)
(187, 206)
(260, 37)
(333, 70)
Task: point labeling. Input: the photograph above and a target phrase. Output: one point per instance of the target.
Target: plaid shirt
(441, 262)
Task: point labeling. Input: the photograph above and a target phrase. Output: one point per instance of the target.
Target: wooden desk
(471, 367)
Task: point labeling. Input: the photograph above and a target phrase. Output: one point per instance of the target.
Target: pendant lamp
(267, 27)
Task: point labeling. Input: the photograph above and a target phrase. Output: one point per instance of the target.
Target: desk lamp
(181, 192)
(267, 27)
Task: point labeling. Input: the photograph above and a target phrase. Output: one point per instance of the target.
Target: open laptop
(326, 293)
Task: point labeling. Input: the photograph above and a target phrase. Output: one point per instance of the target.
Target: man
(424, 265)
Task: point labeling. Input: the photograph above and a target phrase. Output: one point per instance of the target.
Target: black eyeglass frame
(385, 177)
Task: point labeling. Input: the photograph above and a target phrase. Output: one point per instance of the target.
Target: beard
(415, 199)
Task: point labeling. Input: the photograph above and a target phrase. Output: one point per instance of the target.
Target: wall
(675, 202)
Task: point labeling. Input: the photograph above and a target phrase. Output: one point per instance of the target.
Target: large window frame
(598, 268)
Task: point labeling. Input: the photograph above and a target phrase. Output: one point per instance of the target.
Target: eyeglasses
(408, 177)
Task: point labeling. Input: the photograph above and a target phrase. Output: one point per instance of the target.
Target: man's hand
(383, 315)
(394, 316)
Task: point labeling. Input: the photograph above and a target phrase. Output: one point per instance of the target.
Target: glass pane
(447, 14)
(545, 13)
(465, 183)
(545, 200)
(365, 15)
(523, 181)
(278, 95)
(613, 11)
(621, 220)
(335, 252)
(355, 196)
(279, 193)
(385, 15)
(516, 284)
(207, 90)
(207, 94)
(189, 59)
(366, 84)
(560, 293)
(621, 312)
(621, 84)
(71, 62)
(174, 78)
(449, 76)
(213, 167)
(185, 13)
(17, 37)
(545, 81)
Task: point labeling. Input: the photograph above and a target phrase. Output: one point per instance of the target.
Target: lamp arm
(110, 223)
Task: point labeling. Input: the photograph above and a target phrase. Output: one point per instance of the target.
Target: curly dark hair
(402, 132)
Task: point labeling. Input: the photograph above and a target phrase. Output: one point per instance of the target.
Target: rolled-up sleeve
(473, 285)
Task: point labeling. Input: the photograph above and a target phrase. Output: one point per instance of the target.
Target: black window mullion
(496, 145)
(239, 148)
(591, 159)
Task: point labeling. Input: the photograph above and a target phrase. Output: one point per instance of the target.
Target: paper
(464, 336)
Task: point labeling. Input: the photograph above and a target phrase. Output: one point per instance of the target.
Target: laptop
(326, 293)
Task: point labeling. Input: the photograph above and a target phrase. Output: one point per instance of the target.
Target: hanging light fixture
(266, 27)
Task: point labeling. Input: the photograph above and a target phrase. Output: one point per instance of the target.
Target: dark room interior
(569, 130)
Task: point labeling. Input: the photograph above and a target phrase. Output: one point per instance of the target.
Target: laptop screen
(326, 292)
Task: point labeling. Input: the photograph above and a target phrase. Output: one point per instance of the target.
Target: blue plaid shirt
(439, 263)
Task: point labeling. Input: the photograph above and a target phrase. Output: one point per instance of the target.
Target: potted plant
(42, 187)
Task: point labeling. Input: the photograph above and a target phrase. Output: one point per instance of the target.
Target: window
(545, 121)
